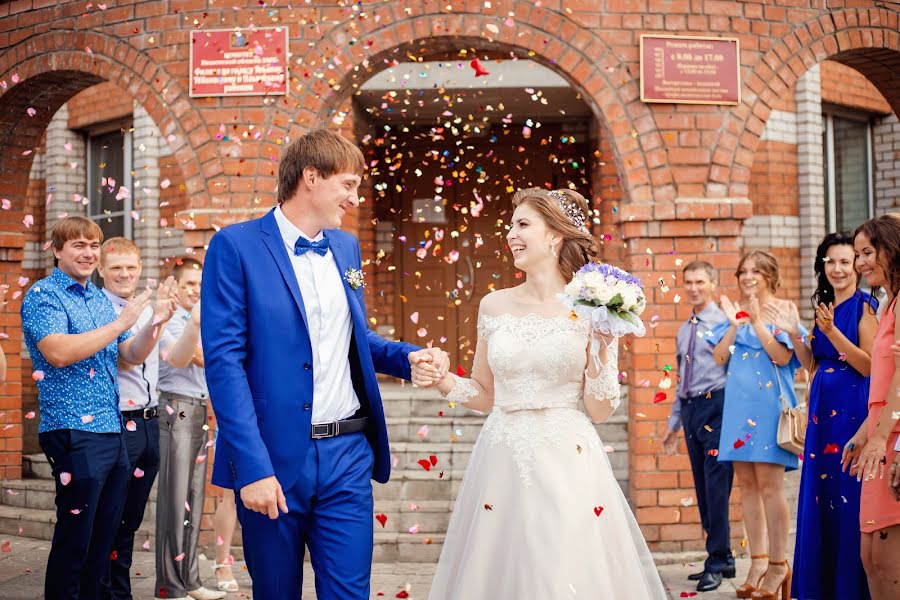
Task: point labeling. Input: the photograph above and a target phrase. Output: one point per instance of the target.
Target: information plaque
(228, 62)
(690, 70)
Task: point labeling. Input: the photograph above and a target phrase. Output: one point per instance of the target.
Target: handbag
(791, 422)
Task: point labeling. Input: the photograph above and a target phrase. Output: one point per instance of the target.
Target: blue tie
(303, 245)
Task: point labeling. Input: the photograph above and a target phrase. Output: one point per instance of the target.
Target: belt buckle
(149, 413)
(323, 430)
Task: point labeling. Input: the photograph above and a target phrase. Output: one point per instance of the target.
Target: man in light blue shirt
(699, 401)
(75, 340)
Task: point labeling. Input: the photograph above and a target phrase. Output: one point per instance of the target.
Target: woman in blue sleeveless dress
(827, 564)
(760, 343)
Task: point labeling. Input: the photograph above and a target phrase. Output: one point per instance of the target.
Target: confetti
(738, 444)
(138, 472)
(65, 478)
(381, 518)
(598, 510)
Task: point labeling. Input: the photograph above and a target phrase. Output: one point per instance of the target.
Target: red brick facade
(674, 181)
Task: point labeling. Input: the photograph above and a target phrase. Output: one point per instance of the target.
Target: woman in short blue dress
(761, 363)
(827, 563)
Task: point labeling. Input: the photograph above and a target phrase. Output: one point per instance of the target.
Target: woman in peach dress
(873, 448)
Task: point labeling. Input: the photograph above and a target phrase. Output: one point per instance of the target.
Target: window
(109, 168)
(848, 169)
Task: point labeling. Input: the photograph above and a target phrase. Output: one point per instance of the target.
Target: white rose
(602, 293)
(573, 288)
(629, 297)
(592, 279)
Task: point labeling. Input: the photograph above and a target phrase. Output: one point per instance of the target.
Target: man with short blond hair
(75, 340)
(120, 269)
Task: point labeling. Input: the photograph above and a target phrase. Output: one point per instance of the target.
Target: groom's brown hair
(323, 150)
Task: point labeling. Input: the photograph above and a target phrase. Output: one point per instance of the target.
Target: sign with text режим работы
(690, 70)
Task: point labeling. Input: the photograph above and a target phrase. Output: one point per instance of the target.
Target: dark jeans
(702, 419)
(88, 509)
(143, 454)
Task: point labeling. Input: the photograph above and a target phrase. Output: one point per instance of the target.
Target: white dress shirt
(330, 326)
(189, 381)
(137, 385)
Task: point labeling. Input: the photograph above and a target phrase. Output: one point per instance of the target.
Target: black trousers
(88, 509)
(143, 453)
(702, 418)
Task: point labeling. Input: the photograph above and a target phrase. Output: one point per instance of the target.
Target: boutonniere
(355, 278)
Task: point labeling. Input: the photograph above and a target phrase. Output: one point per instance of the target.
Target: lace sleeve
(605, 387)
(462, 391)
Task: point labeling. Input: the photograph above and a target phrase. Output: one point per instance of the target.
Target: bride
(539, 513)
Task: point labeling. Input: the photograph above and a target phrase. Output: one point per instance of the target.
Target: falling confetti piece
(164, 184)
(738, 443)
(381, 518)
(31, 112)
(742, 315)
(687, 502)
(138, 473)
(6, 547)
(479, 70)
(414, 318)
(659, 397)
(87, 419)
(29, 414)
(488, 507)
(131, 426)
(425, 464)
(832, 449)
(423, 431)
(180, 557)
(75, 511)
(170, 410)
(38, 375)
(598, 510)
(65, 478)
(146, 545)
(414, 529)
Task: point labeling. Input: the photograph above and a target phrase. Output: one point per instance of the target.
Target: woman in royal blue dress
(761, 363)
(827, 564)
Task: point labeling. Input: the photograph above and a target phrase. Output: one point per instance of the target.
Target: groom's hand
(431, 360)
(264, 496)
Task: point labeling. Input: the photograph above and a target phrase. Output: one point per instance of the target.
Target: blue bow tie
(303, 245)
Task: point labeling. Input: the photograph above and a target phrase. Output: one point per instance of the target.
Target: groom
(291, 364)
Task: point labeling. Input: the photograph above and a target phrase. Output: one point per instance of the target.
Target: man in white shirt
(292, 364)
(120, 270)
(183, 441)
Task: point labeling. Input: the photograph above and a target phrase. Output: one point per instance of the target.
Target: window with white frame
(109, 172)
(848, 169)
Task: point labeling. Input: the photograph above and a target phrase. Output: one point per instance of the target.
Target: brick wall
(678, 176)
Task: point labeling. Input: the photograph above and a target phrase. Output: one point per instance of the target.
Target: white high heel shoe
(227, 585)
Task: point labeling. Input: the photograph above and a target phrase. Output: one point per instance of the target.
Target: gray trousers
(182, 484)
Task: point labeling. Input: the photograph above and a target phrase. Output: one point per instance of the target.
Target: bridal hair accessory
(355, 278)
(612, 299)
(570, 209)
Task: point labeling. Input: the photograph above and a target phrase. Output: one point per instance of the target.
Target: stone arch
(551, 38)
(866, 39)
(44, 71)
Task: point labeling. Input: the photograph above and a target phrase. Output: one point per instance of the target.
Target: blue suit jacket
(258, 355)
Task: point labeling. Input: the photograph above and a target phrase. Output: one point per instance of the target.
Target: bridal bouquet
(611, 298)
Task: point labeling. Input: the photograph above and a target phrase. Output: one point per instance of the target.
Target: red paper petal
(742, 315)
(832, 449)
(381, 518)
(738, 443)
(426, 464)
(659, 397)
(433, 460)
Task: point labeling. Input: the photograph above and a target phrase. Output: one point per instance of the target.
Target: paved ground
(22, 567)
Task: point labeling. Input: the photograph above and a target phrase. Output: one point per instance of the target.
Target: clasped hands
(429, 366)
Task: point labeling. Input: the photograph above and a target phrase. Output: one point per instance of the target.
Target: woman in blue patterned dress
(827, 564)
(761, 363)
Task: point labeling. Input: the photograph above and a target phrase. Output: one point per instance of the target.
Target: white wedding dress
(539, 514)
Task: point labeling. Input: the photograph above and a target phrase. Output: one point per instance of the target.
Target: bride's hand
(425, 374)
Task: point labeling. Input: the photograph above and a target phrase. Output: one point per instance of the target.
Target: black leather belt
(320, 431)
(141, 413)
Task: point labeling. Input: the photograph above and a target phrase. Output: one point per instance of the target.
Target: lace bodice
(539, 362)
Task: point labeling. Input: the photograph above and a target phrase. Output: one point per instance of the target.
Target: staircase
(414, 499)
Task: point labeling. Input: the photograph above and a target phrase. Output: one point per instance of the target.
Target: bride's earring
(553, 251)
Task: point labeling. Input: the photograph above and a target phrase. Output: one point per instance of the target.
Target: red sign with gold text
(227, 62)
(690, 70)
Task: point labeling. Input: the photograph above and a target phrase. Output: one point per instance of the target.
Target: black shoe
(709, 581)
(728, 573)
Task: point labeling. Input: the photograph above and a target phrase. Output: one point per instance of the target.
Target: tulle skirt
(540, 515)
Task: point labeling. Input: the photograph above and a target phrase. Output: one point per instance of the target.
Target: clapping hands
(429, 366)
(166, 301)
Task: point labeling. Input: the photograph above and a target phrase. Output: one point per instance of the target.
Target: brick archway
(44, 71)
(575, 52)
(867, 40)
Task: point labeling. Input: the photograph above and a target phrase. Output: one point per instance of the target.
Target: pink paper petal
(138, 473)
(65, 478)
